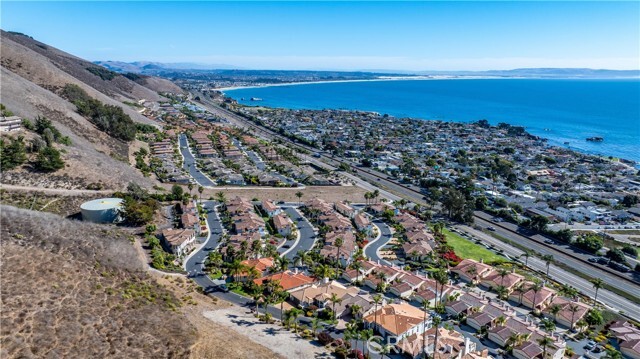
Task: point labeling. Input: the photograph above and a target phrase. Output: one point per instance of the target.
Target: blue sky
(341, 35)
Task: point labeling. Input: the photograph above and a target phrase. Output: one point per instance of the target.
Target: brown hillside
(118, 87)
(90, 158)
(76, 290)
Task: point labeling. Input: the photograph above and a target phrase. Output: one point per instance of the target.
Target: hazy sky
(341, 35)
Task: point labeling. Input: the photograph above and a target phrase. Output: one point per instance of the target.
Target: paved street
(371, 250)
(189, 163)
(307, 233)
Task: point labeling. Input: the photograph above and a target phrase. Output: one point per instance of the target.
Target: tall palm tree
(520, 287)
(501, 320)
(256, 295)
(502, 272)
(301, 258)
(547, 258)
(323, 271)
(282, 263)
(436, 324)
(190, 187)
(377, 299)
(573, 308)
(425, 308)
(315, 324)
(299, 194)
(235, 268)
(527, 253)
(544, 342)
(355, 310)
(568, 291)
(200, 190)
(338, 243)
(376, 194)
(367, 197)
(535, 287)
(365, 335)
(597, 284)
(441, 277)
(548, 325)
(295, 313)
(334, 299)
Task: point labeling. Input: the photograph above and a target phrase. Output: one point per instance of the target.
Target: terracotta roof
(176, 237)
(288, 280)
(397, 318)
(261, 264)
(281, 221)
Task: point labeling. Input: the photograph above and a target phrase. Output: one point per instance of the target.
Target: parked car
(593, 259)
(549, 241)
(590, 345)
(223, 288)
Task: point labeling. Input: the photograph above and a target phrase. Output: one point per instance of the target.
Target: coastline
(416, 78)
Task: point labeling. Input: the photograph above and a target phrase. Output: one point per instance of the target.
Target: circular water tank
(103, 210)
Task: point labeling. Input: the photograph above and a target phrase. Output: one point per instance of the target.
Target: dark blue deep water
(560, 110)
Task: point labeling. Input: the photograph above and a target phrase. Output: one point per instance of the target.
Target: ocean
(566, 112)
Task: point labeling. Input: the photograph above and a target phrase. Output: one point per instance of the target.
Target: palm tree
(338, 243)
(367, 196)
(299, 194)
(597, 284)
(301, 258)
(548, 325)
(351, 332)
(436, 324)
(315, 324)
(334, 299)
(377, 299)
(365, 335)
(501, 320)
(282, 263)
(385, 349)
(357, 265)
(425, 308)
(190, 186)
(502, 272)
(200, 190)
(295, 313)
(323, 271)
(554, 310)
(613, 354)
(441, 277)
(544, 342)
(235, 268)
(547, 258)
(501, 291)
(527, 253)
(535, 287)
(256, 295)
(568, 291)
(355, 310)
(472, 271)
(520, 287)
(514, 340)
(573, 308)
(220, 197)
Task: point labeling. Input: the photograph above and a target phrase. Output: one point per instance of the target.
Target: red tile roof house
(487, 315)
(283, 224)
(249, 223)
(190, 221)
(509, 281)
(288, 280)
(566, 316)
(262, 265)
(475, 275)
(428, 292)
(398, 320)
(239, 205)
(352, 275)
(363, 224)
(465, 303)
(532, 350)
(179, 241)
(542, 298)
(345, 209)
(270, 208)
(631, 348)
(420, 236)
(628, 337)
(416, 251)
(451, 345)
(372, 280)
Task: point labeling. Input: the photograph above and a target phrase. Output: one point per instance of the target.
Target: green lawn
(465, 248)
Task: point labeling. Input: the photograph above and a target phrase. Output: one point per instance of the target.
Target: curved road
(371, 250)
(307, 233)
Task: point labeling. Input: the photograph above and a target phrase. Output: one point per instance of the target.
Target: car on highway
(603, 260)
(618, 266)
(491, 228)
(593, 259)
(549, 241)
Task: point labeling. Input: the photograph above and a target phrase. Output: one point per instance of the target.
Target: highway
(413, 194)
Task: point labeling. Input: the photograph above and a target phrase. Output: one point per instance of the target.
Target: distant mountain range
(154, 68)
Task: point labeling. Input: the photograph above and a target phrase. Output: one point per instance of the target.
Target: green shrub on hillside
(49, 160)
(103, 73)
(12, 153)
(108, 118)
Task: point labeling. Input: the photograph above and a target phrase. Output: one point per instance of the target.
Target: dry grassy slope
(88, 159)
(160, 85)
(58, 69)
(119, 87)
(77, 290)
